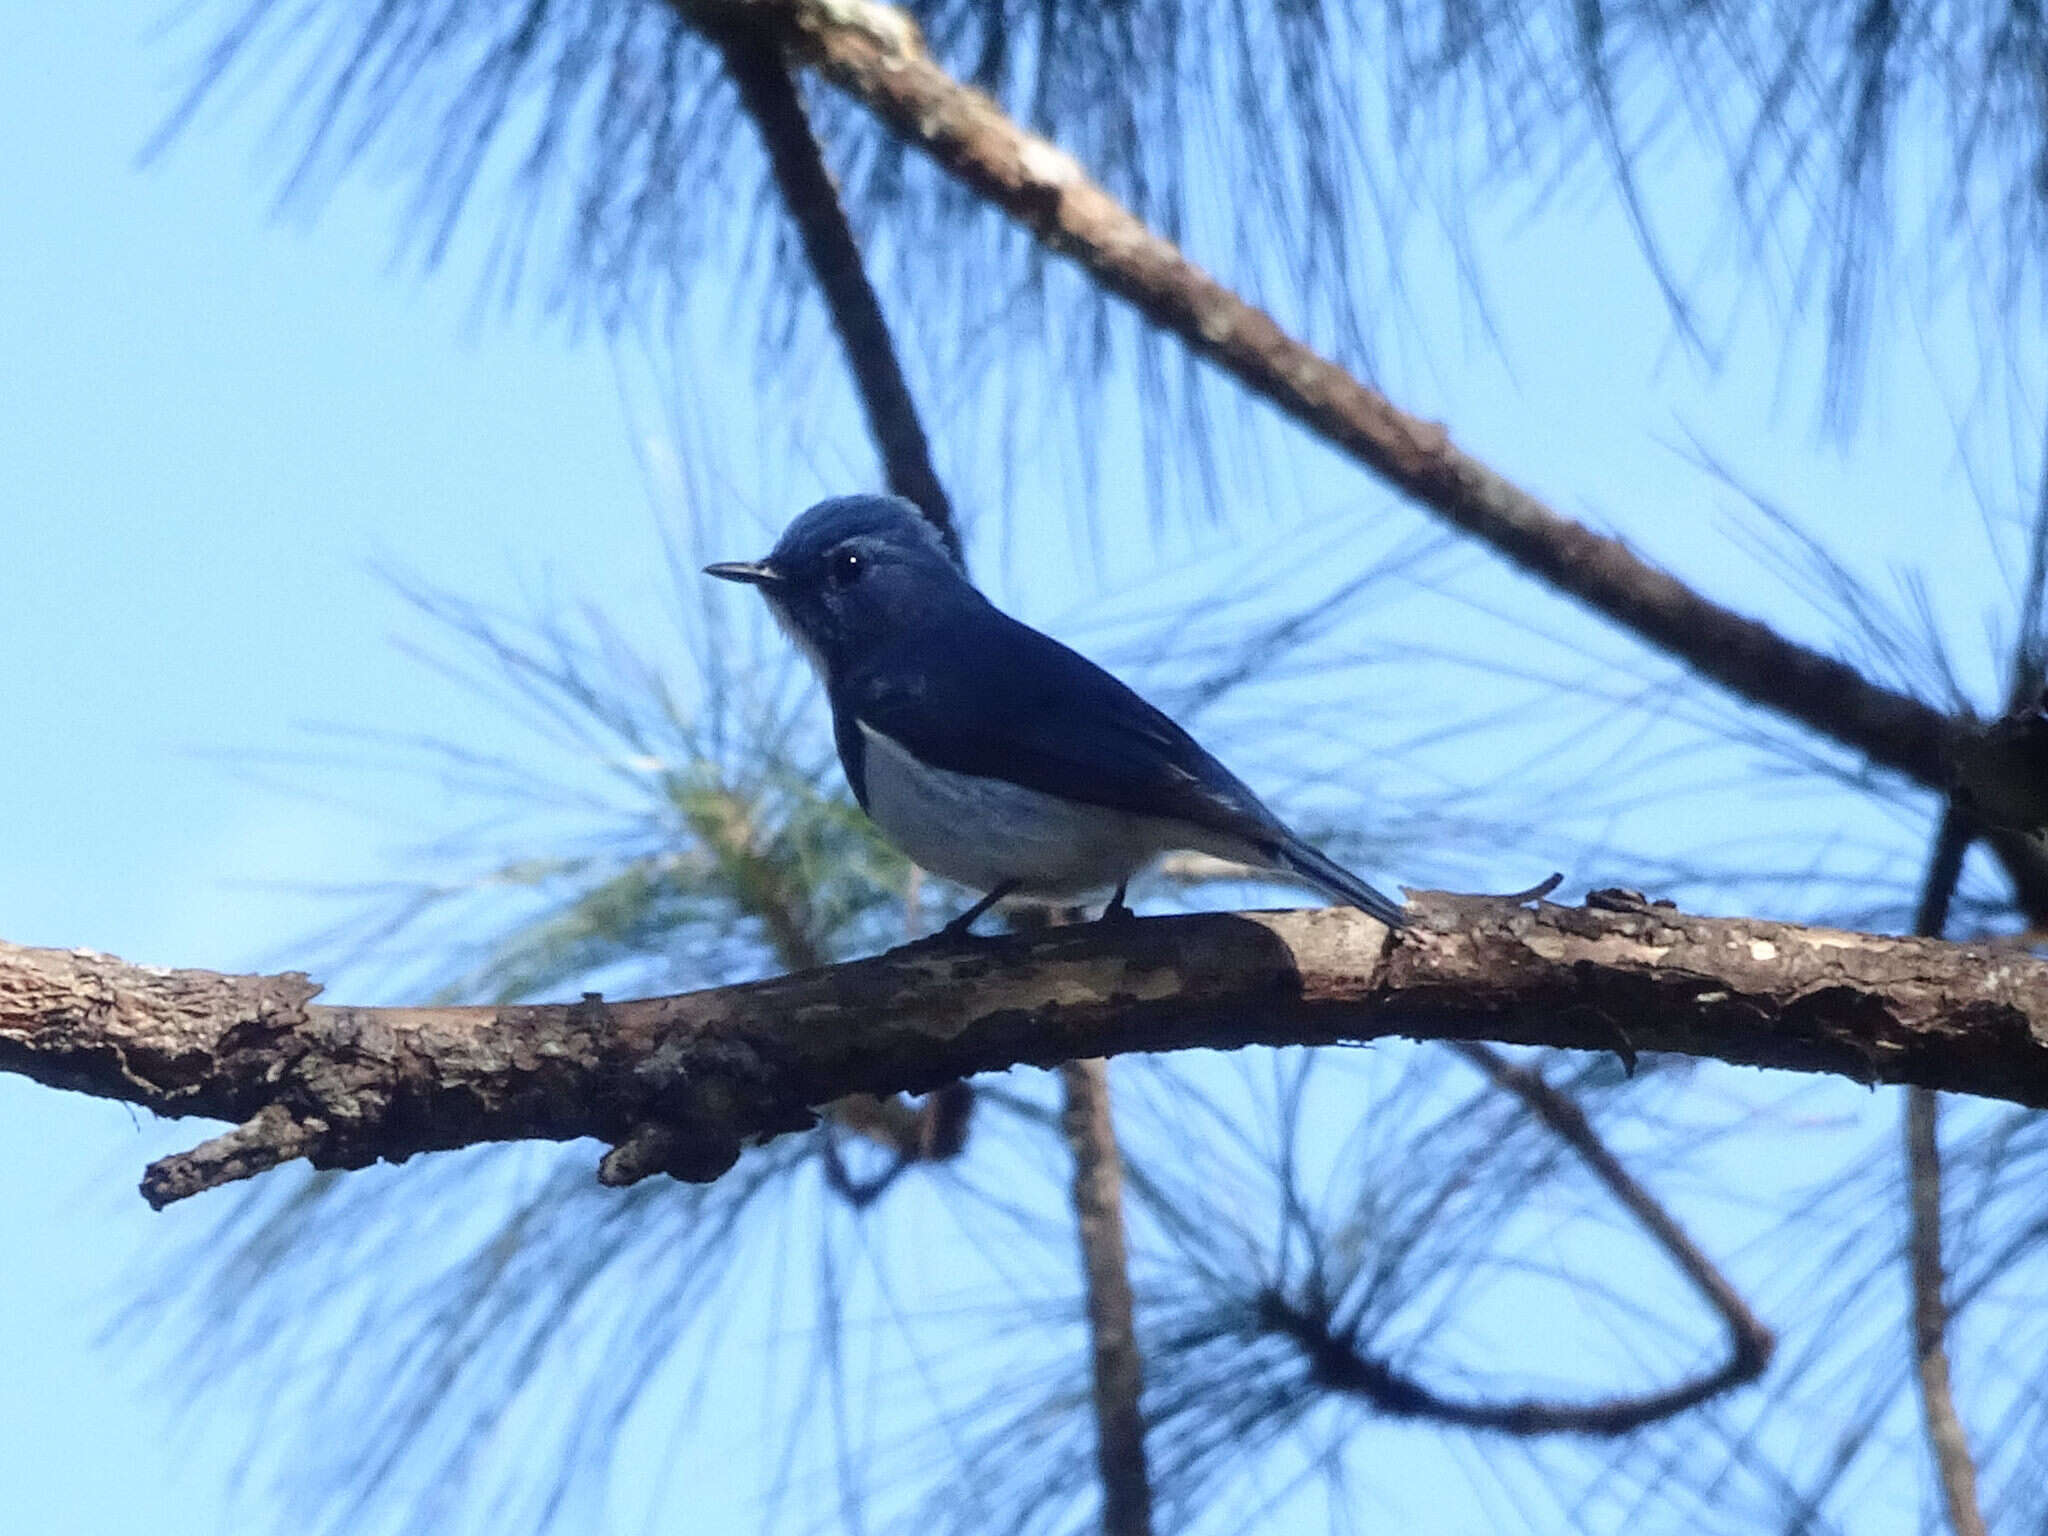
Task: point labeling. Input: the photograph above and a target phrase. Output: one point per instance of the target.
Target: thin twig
(1750, 1343)
(1117, 1365)
(1946, 1438)
(1945, 1435)
(1339, 1363)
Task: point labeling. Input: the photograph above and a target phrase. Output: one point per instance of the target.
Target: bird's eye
(844, 567)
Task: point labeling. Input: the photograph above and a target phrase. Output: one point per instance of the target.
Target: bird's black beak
(755, 573)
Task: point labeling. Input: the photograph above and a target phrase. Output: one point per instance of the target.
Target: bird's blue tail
(1337, 882)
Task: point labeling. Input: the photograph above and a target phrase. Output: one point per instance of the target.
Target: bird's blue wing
(990, 696)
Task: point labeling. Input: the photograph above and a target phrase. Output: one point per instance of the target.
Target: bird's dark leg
(1117, 911)
(961, 927)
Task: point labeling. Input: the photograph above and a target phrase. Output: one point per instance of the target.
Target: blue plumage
(991, 753)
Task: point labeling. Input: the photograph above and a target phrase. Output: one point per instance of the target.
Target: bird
(988, 752)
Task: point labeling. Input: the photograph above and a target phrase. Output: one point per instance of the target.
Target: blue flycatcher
(989, 753)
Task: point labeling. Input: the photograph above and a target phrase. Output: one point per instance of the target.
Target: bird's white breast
(982, 832)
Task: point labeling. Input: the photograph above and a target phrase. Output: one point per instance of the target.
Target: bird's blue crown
(886, 522)
(855, 574)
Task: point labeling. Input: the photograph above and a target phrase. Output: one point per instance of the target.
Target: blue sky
(223, 422)
(217, 425)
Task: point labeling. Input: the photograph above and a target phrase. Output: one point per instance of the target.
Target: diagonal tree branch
(678, 1084)
(874, 53)
(754, 59)
(1750, 1341)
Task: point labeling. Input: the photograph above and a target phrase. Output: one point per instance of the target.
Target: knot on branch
(694, 1154)
(698, 1131)
(727, 1066)
(271, 1136)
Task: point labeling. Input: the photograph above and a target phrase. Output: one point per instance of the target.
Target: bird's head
(850, 573)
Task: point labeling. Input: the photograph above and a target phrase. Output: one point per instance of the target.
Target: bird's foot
(1117, 911)
(952, 936)
(961, 929)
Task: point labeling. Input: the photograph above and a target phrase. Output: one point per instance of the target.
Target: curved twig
(1338, 1364)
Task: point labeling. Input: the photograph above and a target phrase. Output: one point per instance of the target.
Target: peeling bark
(678, 1084)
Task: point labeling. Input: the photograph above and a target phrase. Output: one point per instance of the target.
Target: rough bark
(678, 1084)
(769, 892)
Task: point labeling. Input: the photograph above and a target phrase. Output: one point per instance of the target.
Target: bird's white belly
(982, 832)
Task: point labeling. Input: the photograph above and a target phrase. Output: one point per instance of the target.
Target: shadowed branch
(706, 1072)
(1750, 1342)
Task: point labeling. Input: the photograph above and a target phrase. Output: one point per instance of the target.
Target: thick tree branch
(769, 889)
(710, 1070)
